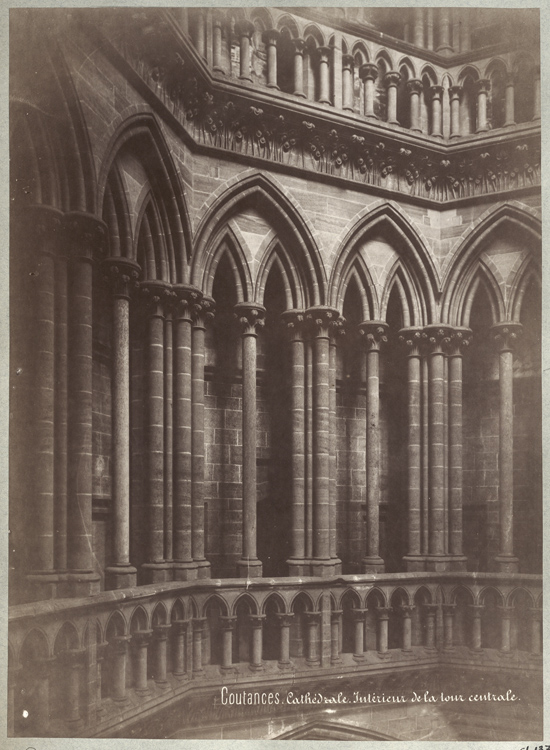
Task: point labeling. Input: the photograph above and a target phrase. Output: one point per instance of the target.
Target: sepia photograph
(275, 401)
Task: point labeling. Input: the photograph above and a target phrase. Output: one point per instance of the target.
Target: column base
(256, 667)
(358, 658)
(337, 566)
(120, 577)
(273, 86)
(203, 568)
(186, 571)
(372, 564)
(300, 94)
(313, 662)
(298, 566)
(46, 585)
(506, 564)
(156, 572)
(85, 583)
(249, 568)
(509, 124)
(227, 670)
(284, 665)
(415, 563)
(483, 130)
(323, 568)
(443, 563)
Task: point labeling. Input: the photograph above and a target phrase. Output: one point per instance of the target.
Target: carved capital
(405, 610)
(382, 613)
(506, 335)
(122, 275)
(198, 624)
(256, 621)
(319, 320)
(368, 71)
(244, 28)
(392, 78)
(186, 297)
(414, 86)
(373, 333)
(119, 644)
(141, 638)
(180, 626)
(157, 296)
(45, 225)
(347, 62)
(436, 339)
(449, 609)
(161, 631)
(358, 614)
(430, 609)
(228, 623)
(299, 46)
(270, 37)
(86, 235)
(323, 53)
(203, 312)
(293, 323)
(483, 86)
(476, 610)
(250, 317)
(455, 92)
(411, 339)
(335, 615)
(285, 619)
(436, 92)
(336, 329)
(73, 657)
(460, 340)
(312, 618)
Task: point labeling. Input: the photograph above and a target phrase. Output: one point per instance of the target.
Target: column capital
(122, 275)
(203, 311)
(285, 618)
(506, 335)
(45, 223)
(198, 624)
(431, 609)
(141, 638)
(157, 295)
(119, 643)
(86, 235)
(244, 28)
(505, 611)
(373, 333)
(483, 86)
(312, 618)
(180, 625)
(323, 53)
(415, 86)
(161, 631)
(256, 620)
(299, 46)
(73, 657)
(412, 339)
(228, 623)
(392, 78)
(335, 615)
(455, 92)
(382, 613)
(535, 613)
(336, 328)
(320, 318)
(347, 62)
(368, 71)
(448, 609)
(437, 338)
(271, 36)
(358, 614)
(460, 339)
(185, 298)
(436, 92)
(476, 609)
(406, 610)
(250, 316)
(293, 322)
(43, 665)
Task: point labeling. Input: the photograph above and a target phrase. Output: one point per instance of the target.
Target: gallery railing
(83, 666)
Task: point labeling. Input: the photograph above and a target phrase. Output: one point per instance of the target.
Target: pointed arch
(292, 230)
(360, 48)
(214, 599)
(226, 244)
(411, 304)
(314, 32)
(245, 599)
(428, 72)
(139, 620)
(406, 62)
(484, 279)
(528, 272)
(460, 273)
(287, 22)
(277, 256)
(420, 266)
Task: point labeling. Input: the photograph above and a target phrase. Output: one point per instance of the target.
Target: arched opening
(497, 102)
(468, 106)
(403, 98)
(524, 91)
(285, 62)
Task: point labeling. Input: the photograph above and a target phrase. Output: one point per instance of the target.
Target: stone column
(217, 43)
(199, 34)
(476, 610)
(178, 648)
(406, 613)
(359, 640)
(483, 87)
(161, 640)
(312, 620)
(299, 47)
(337, 70)
(43, 240)
(122, 275)
(429, 28)
(536, 94)
(251, 317)
(74, 664)
(285, 620)
(228, 625)
(382, 617)
(13, 677)
(270, 39)
(119, 648)
(86, 237)
(392, 80)
(168, 520)
(536, 635)
(203, 311)
(335, 624)
(437, 339)
(185, 569)
(41, 670)
(455, 29)
(459, 341)
(324, 85)
(418, 28)
(444, 46)
(245, 30)
(374, 336)
(293, 320)
(509, 101)
(455, 92)
(412, 339)
(157, 295)
(448, 620)
(347, 83)
(506, 335)
(257, 642)
(320, 320)
(436, 93)
(368, 74)
(198, 628)
(465, 32)
(414, 87)
(336, 329)
(430, 613)
(140, 642)
(505, 616)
